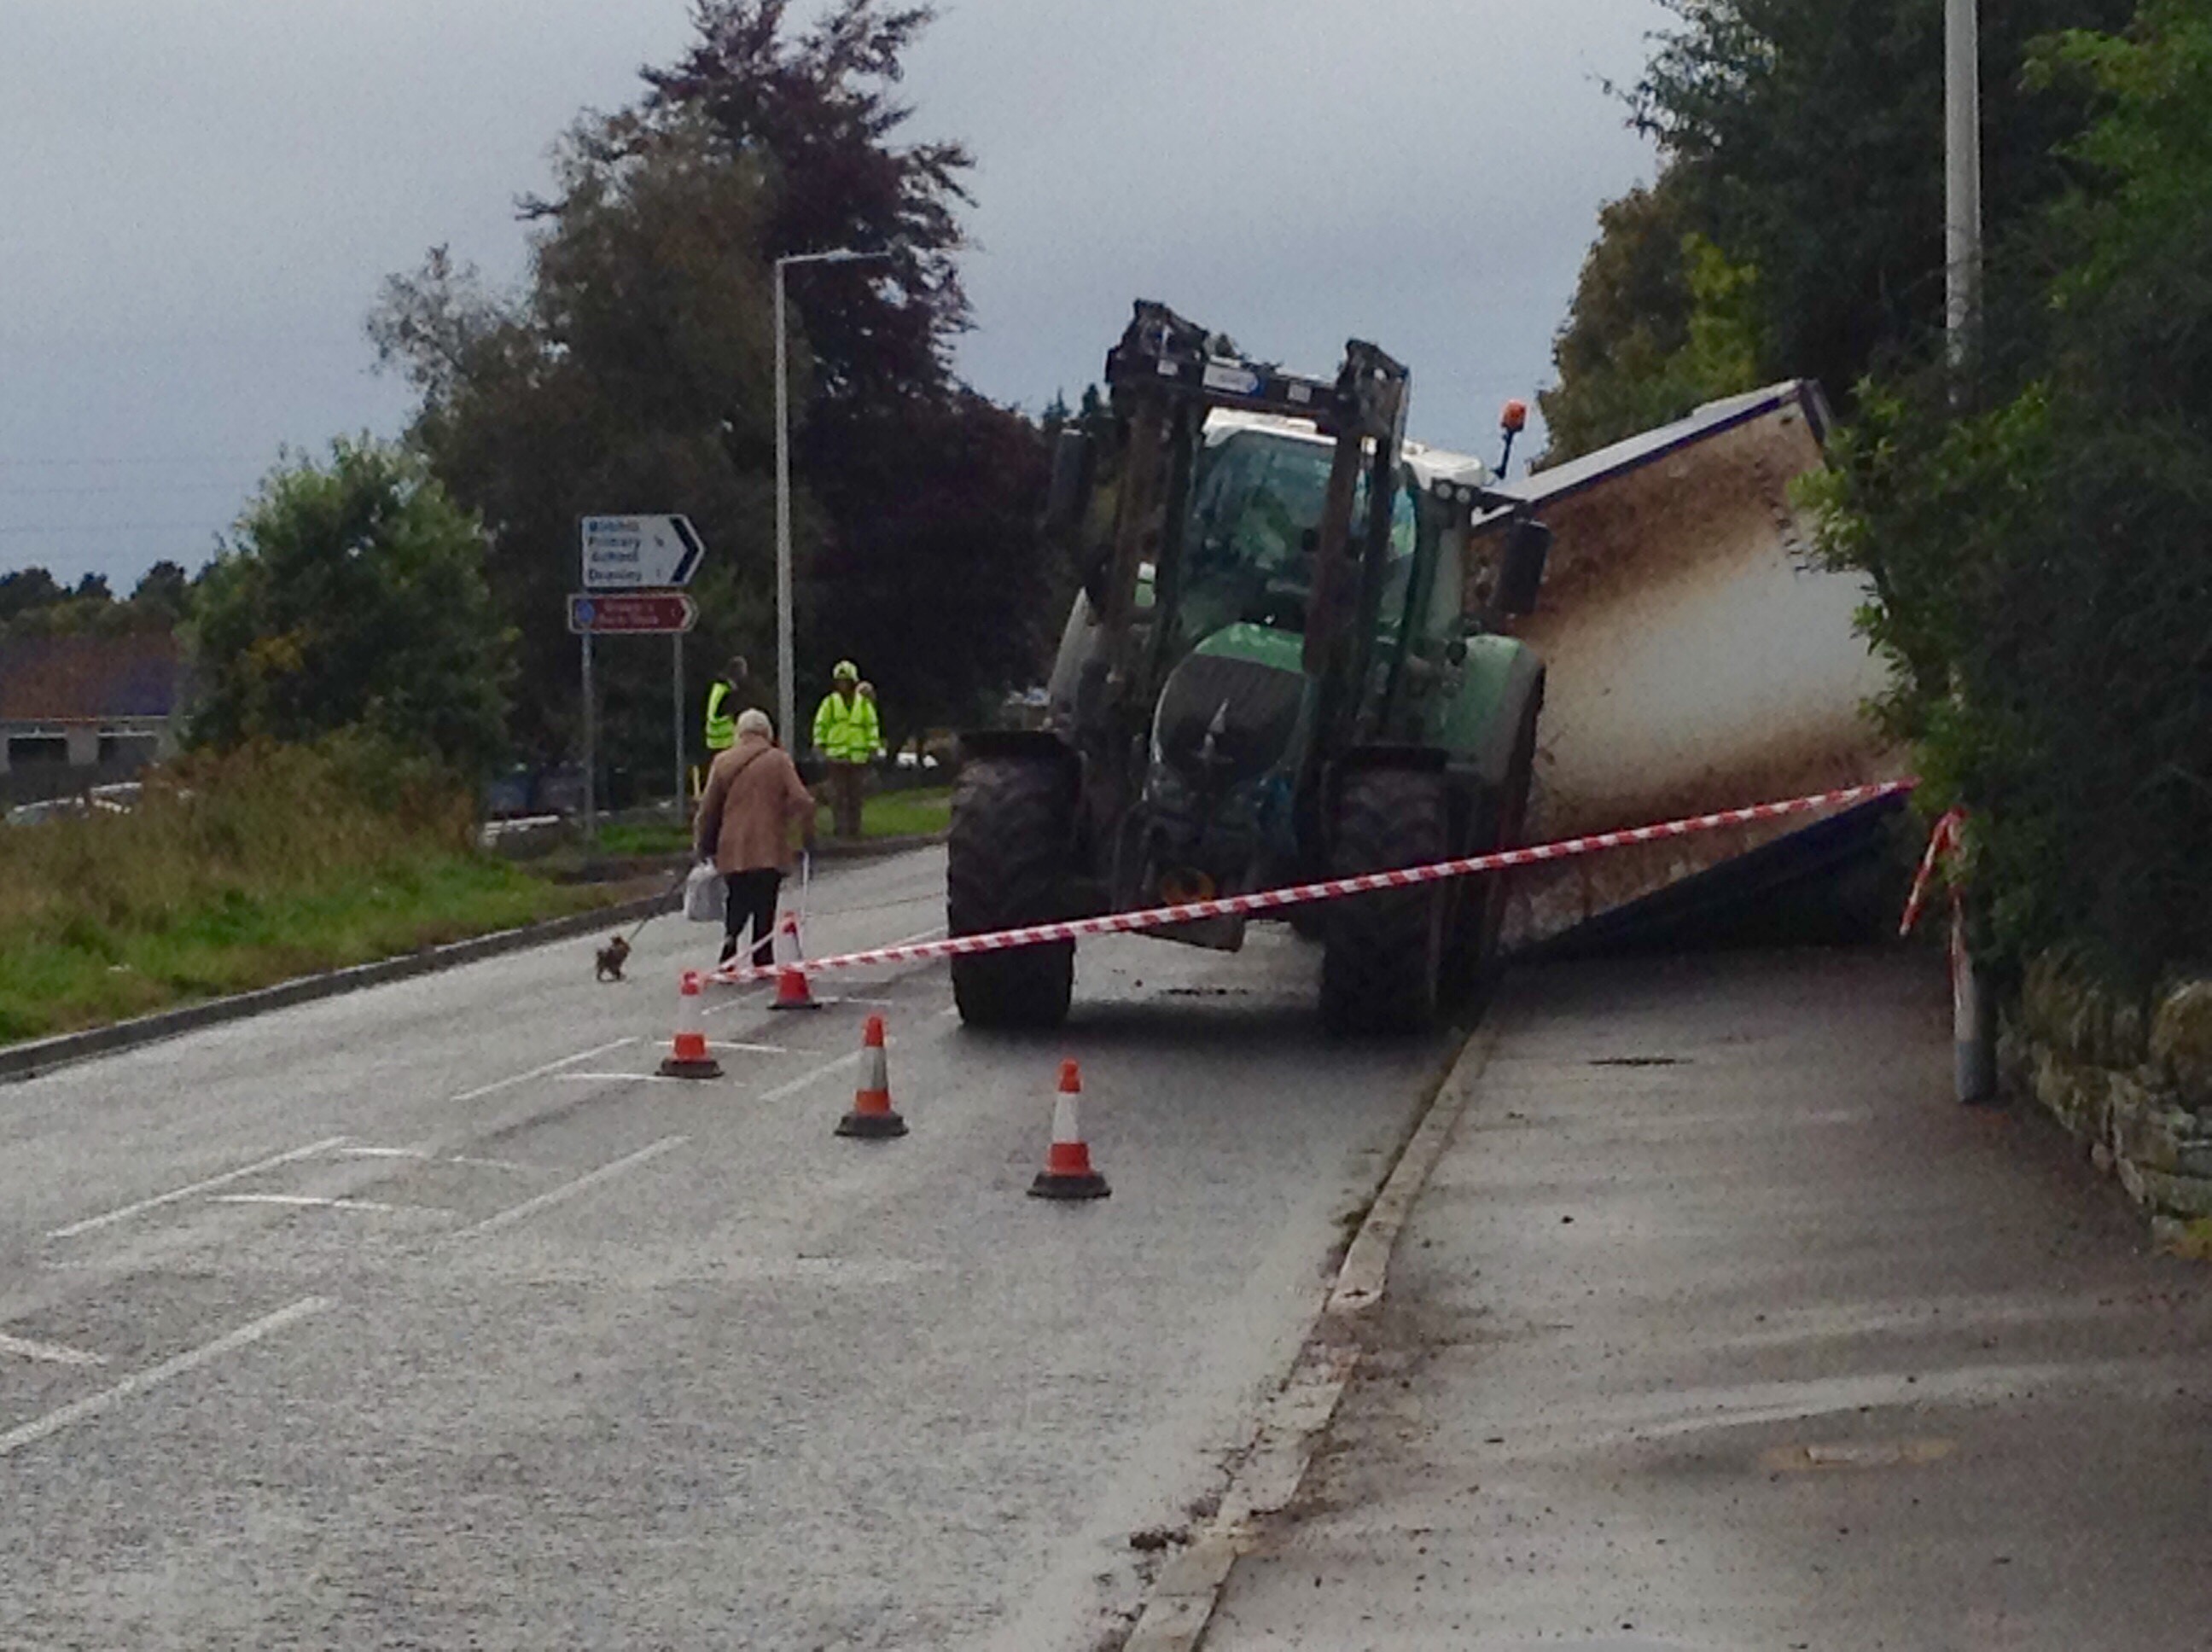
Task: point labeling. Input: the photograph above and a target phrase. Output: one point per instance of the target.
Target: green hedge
(2042, 561)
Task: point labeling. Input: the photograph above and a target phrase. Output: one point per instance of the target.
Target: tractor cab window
(1256, 501)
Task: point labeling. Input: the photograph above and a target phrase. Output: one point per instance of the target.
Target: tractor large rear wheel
(1383, 954)
(1006, 867)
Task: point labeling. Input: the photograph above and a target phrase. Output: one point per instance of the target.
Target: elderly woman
(753, 798)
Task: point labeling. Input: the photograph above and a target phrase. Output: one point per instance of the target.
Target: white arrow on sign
(630, 553)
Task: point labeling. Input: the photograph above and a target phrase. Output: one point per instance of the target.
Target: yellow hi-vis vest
(846, 733)
(722, 719)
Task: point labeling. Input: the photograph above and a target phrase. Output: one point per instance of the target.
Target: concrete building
(82, 711)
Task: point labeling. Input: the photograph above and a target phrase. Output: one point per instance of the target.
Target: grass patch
(239, 872)
(902, 814)
(917, 813)
(644, 837)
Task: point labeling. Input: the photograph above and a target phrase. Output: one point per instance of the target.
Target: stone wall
(2133, 1079)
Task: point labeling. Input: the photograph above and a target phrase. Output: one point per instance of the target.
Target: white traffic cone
(792, 992)
(690, 1057)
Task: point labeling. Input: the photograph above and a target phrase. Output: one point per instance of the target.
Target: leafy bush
(353, 595)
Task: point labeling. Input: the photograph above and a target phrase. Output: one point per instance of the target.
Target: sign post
(635, 568)
(591, 753)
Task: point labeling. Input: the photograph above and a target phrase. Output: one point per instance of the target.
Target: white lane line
(569, 1190)
(622, 1079)
(793, 1086)
(51, 1352)
(174, 1194)
(93, 1404)
(428, 1158)
(308, 1200)
(481, 1091)
(757, 1049)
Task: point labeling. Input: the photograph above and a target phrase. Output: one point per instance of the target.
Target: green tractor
(1281, 667)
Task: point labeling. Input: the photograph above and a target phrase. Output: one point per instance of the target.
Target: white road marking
(308, 1200)
(429, 1157)
(795, 1085)
(623, 1079)
(51, 1352)
(569, 1190)
(757, 1050)
(92, 1404)
(481, 1091)
(174, 1194)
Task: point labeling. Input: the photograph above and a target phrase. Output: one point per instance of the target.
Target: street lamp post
(1973, 1013)
(1962, 177)
(785, 686)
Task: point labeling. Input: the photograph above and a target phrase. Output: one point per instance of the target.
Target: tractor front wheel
(1006, 868)
(1383, 954)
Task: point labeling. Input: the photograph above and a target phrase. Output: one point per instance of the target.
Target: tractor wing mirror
(1520, 570)
(1067, 501)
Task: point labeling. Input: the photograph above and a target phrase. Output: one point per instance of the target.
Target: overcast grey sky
(202, 195)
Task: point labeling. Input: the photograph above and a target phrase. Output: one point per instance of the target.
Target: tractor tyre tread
(1006, 866)
(1380, 958)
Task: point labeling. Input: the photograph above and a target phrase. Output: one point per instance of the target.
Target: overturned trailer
(1698, 658)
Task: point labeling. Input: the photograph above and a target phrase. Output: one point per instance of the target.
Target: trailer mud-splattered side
(1696, 658)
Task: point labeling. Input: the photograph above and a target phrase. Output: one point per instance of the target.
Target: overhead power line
(180, 458)
(104, 527)
(107, 488)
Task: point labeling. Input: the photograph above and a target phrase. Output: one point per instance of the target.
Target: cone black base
(674, 1067)
(872, 1127)
(1090, 1185)
(806, 1004)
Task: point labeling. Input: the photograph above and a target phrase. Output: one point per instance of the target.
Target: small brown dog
(612, 956)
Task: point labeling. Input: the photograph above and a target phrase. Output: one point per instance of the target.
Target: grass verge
(902, 814)
(917, 813)
(241, 872)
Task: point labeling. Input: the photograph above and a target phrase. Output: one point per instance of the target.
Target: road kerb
(1182, 1598)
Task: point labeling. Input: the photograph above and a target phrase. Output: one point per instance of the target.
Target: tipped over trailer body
(1698, 659)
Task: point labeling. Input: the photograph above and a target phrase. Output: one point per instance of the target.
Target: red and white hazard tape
(1333, 889)
(1942, 841)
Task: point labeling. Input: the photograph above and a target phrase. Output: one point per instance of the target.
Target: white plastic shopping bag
(705, 900)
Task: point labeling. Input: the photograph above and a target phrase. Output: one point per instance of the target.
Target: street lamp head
(835, 255)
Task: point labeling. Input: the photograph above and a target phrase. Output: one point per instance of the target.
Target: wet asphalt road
(1721, 1326)
(419, 1318)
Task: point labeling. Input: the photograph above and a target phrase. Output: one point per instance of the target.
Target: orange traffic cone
(1067, 1173)
(873, 1115)
(792, 992)
(690, 1059)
